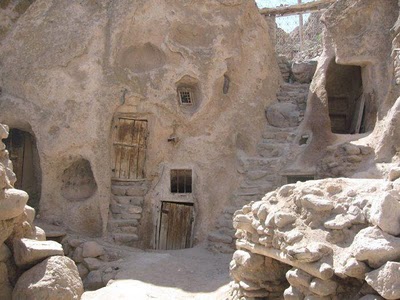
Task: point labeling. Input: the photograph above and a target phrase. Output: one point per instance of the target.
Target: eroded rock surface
(55, 278)
(23, 245)
(328, 242)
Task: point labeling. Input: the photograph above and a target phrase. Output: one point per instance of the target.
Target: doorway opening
(346, 100)
(22, 148)
(129, 145)
(176, 225)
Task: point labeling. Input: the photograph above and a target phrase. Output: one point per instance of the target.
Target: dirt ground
(192, 273)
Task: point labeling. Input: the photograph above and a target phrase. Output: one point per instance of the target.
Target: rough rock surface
(82, 63)
(328, 238)
(29, 246)
(386, 280)
(55, 278)
(30, 252)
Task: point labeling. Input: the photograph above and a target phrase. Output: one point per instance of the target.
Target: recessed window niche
(188, 94)
(78, 182)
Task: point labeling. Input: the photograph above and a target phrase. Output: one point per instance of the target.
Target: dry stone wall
(334, 239)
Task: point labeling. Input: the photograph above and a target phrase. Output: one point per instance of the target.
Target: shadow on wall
(350, 109)
(25, 158)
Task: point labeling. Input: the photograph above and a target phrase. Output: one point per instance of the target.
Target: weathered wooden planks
(129, 149)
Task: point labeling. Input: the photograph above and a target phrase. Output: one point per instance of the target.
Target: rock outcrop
(325, 234)
(24, 246)
(54, 278)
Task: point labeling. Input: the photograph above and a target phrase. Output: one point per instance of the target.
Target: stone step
(124, 238)
(224, 220)
(278, 137)
(221, 248)
(254, 175)
(230, 210)
(266, 187)
(295, 86)
(219, 237)
(114, 223)
(270, 150)
(125, 208)
(127, 216)
(133, 200)
(260, 163)
(291, 95)
(128, 230)
(135, 188)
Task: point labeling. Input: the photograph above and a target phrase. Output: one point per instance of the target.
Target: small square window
(181, 181)
(185, 96)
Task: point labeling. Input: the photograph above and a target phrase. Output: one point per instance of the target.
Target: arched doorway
(25, 158)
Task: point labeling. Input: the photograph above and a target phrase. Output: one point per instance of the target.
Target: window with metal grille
(185, 96)
(181, 181)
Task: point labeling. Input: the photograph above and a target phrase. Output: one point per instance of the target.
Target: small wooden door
(15, 144)
(175, 226)
(129, 148)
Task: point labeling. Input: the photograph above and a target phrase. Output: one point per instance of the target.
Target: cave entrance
(23, 152)
(346, 100)
(176, 223)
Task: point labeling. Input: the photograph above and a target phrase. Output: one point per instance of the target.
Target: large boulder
(13, 203)
(55, 278)
(386, 280)
(375, 247)
(303, 72)
(28, 252)
(283, 115)
(5, 286)
(385, 213)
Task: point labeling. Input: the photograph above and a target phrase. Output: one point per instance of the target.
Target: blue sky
(286, 23)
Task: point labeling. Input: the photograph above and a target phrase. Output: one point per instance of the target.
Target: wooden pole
(300, 27)
(296, 9)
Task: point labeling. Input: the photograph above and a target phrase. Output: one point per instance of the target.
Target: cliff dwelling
(216, 149)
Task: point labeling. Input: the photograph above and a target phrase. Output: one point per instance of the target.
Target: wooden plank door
(175, 226)
(129, 149)
(15, 144)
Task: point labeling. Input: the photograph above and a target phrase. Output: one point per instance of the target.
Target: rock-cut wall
(30, 266)
(70, 69)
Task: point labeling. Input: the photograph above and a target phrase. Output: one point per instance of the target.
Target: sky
(286, 23)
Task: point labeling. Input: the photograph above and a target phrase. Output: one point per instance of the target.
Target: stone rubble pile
(30, 266)
(93, 260)
(323, 239)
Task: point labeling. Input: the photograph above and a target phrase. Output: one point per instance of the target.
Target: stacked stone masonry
(126, 210)
(262, 172)
(335, 239)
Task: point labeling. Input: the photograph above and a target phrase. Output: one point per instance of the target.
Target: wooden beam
(296, 9)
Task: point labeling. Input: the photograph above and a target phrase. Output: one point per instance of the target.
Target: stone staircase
(261, 172)
(126, 209)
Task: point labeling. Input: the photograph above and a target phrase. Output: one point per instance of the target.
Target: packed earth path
(194, 273)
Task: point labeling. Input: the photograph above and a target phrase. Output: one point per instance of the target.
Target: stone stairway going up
(262, 172)
(126, 209)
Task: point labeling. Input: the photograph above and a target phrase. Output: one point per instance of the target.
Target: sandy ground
(181, 274)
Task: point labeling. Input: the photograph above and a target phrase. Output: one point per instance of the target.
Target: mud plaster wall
(356, 33)
(80, 62)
